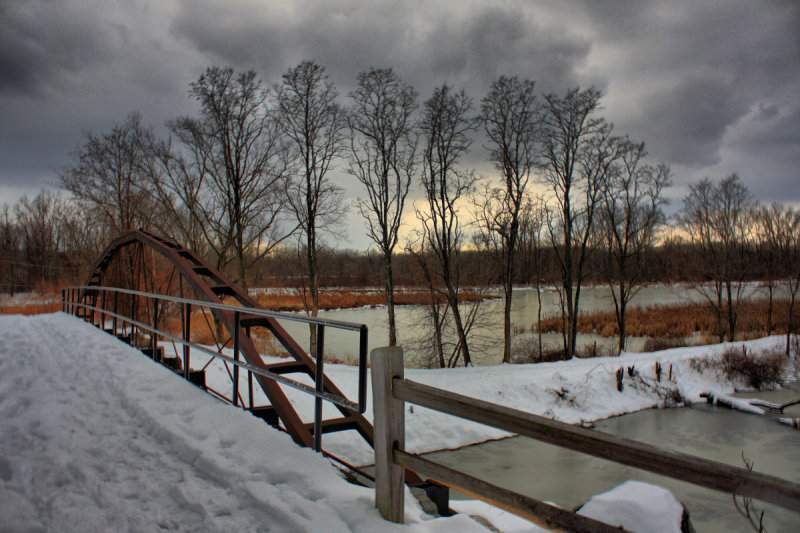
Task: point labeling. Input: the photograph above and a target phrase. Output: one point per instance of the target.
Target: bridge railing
(391, 391)
(74, 300)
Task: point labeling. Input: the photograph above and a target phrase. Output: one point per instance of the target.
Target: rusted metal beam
(194, 269)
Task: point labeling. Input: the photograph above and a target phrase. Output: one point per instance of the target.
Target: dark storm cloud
(41, 41)
(427, 43)
(688, 121)
(710, 86)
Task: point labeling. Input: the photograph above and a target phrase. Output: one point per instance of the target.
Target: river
(412, 322)
(569, 478)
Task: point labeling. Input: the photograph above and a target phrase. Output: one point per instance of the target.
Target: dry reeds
(678, 321)
(350, 298)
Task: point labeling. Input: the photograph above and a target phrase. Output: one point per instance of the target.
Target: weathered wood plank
(543, 514)
(387, 363)
(697, 470)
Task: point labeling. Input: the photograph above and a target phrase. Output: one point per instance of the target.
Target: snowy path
(95, 437)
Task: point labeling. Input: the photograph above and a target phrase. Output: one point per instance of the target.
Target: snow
(95, 437)
(637, 506)
(576, 391)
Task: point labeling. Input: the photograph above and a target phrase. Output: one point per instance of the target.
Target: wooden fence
(391, 391)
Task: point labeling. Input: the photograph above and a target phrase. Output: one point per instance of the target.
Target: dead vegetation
(749, 369)
(668, 325)
(290, 300)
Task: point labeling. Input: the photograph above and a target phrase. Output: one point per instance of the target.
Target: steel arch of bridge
(212, 286)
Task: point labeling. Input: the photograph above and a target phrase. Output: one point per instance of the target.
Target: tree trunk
(507, 323)
(390, 299)
(462, 335)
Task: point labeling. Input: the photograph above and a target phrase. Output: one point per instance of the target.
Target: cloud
(43, 41)
(711, 87)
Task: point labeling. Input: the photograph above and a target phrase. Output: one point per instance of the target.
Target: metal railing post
(236, 323)
(153, 335)
(103, 312)
(187, 335)
(132, 338)
(249, 375)
(362, 368)
(319, 382)
(389, 424)
(114, 322)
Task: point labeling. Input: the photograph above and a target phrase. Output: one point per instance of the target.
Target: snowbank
(95, 437)
(576, 391)
(637, 506)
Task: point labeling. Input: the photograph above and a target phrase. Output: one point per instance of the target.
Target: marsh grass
(671, 323)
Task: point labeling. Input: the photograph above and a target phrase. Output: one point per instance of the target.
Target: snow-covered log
(732, 403)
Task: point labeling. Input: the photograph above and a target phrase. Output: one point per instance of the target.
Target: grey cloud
(41, 41)
(709, 86)
(688, 122)
(426, 44)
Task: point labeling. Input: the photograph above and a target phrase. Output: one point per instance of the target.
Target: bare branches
(717, 218)
(577, 153)
(511, 118)
(629, 215)
(383, 160)
(445, 128)
(315, 125)
(236, 153)
(109, 175)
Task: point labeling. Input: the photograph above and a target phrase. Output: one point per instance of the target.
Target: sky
(711, 87)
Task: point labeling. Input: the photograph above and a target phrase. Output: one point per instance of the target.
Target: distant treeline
(45, 244)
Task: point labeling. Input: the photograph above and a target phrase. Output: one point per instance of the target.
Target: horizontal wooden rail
(696, 470)
(391, 391)
(546, 515)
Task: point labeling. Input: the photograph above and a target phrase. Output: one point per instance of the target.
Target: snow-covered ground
(95, 437)
(576, 391)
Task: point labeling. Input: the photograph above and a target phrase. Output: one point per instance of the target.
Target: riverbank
(579, 391)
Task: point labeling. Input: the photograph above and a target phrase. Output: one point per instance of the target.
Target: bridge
(149, 288)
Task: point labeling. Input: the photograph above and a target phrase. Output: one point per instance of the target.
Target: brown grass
(30, 309)
(679, 321)
(351, 298)
(35, 305)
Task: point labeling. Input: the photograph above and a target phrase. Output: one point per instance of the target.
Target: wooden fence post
(387, 363)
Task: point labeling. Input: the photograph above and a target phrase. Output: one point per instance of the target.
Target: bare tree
(510, 117)
(315, 125)
(109, 176)
(181, 191)
(238, 154)
(382, 158)
(630, 213)
(717, 219)
(778, 234)
(577, 152)
(530, 244)
(11, 267)
(445, 128)
(40, 222)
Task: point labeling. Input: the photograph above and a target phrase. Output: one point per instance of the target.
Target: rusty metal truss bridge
(166, 300)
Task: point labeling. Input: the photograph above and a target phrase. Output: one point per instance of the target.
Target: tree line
(248, 183)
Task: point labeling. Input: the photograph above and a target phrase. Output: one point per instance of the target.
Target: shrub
(755, 370)
(655, 344)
